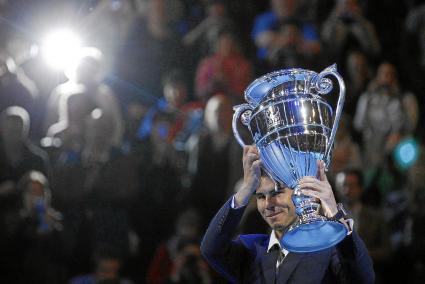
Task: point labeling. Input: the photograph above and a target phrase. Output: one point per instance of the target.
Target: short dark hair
(174, 77)
(265, 174)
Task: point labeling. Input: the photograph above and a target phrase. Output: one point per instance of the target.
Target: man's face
(387, 74)
(276, 207)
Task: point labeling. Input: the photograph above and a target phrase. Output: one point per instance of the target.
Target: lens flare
(60, 48)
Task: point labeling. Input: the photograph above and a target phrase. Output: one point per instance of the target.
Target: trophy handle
(242, 112)
(324, 86)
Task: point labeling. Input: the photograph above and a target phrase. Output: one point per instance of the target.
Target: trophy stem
(306, 207)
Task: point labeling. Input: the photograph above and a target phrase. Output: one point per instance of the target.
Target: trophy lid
(261, 87)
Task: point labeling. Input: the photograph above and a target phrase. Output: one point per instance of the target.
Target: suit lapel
(268, 265)
(288, 266)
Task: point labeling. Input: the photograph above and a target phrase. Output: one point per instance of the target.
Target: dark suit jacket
(245, 259)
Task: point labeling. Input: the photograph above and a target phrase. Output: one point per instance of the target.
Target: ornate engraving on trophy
(246, 117)
(272, 117)
(257, 136)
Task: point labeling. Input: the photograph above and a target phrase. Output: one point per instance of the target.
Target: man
(17, 154)
(108, 265)
(369, 221)
(266, 35)
(255, 258)
(384, 114)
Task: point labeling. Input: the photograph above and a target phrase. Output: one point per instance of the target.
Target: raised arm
(228, 256)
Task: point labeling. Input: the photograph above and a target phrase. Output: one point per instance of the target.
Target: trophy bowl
(293, 127)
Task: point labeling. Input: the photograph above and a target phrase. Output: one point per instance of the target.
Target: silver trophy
(293, 126)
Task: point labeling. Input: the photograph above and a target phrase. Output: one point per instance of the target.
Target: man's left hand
(321, 189)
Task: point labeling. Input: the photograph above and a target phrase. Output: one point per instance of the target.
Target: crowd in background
(111, 170)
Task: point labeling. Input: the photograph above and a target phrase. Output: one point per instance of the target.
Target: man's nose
(270, 201)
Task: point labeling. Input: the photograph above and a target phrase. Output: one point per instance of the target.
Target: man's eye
(277, 192)
(260, 196)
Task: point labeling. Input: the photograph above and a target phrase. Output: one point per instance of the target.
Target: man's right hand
(252, 175)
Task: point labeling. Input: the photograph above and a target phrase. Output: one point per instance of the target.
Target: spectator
(178, 260)
(145, 56)
(226, 70)
(161, 191)
(346, 152)
(173, 107)
(416, 180)
(381, 116)
(213, 154)
(96, 192)
(110, 184)
(293, 51)
(205, 34)
(266, 29)
(71, 102)
(16, 89)
(108, 265)
(368, 221)
(109, 23)
(34, 250)
(19, 155)
(347, 29)
(358, 77)
(415, 24)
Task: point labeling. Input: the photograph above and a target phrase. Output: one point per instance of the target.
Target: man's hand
(321, 189)
(252, 175)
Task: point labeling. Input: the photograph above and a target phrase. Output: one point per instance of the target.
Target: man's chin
(281, 227)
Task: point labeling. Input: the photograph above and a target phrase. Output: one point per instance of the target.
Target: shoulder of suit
(250, 241)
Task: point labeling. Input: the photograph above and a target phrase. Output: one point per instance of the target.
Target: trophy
(293, 126)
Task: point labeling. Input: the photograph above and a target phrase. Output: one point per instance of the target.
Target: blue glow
(406, 153)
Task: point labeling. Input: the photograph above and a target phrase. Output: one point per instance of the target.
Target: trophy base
(314, 236)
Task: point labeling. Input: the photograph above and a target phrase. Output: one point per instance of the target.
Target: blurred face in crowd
(284, 8)
(34, 193)
(348, 7)
(291, 33)
(276, 207)
(226, 45)
(34, 196)
(175, 94)
(216, 10)
(386, 75)
(108, 269)
(218, 114)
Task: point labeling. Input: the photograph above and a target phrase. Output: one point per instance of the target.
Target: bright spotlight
(60, 48)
